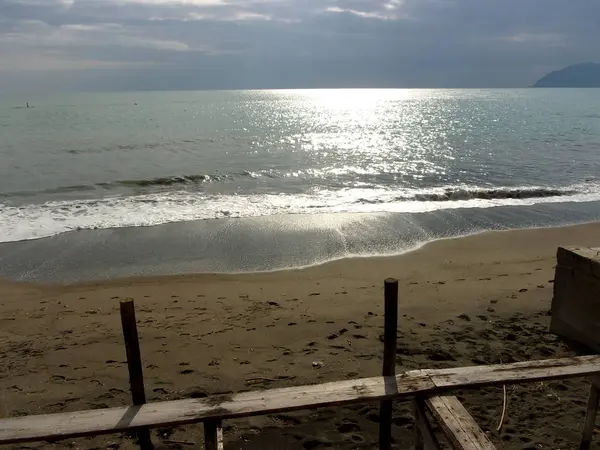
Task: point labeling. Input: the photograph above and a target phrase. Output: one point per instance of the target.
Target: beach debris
(317, 364)
(505, 400)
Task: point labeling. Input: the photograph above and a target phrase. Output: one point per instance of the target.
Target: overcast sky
(207, 44)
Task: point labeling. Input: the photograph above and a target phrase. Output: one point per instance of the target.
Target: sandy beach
(475, 300)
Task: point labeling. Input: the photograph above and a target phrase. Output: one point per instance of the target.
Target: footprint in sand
(160, 391)
(348, 427)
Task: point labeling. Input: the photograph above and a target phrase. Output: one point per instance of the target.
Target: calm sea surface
(138, 159)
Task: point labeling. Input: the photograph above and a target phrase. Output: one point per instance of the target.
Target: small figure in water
(28, 104)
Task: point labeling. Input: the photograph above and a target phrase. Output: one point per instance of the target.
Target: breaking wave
(31, 221)
(489, 194)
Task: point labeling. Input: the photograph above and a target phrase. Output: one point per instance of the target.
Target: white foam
(41, 220)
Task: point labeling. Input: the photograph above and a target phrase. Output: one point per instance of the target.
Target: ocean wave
(167, 181)
(490, 194)
(31, 221)
(459, 194)
(194, 179)
(372, 181)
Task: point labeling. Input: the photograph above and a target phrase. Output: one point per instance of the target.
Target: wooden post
(419, 423)
(590, 416)
(213, 435)
(389, 359)
(134, 364)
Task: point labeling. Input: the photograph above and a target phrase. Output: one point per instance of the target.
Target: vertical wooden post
(590, 416)
(418, 434)
(389, 359)
(213, 435)
(134, 364)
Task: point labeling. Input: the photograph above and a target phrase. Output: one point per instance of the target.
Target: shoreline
(351, 259)
(263, 245)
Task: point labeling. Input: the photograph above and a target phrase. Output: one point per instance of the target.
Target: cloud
(297, 43)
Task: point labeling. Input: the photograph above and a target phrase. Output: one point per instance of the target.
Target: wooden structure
(576, 300)
(429, 390)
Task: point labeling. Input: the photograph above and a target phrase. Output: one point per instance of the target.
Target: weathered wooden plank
(457, 423)
(590, 416)
(181, 412)
(213, 435)
(424, 437)
(529, 371)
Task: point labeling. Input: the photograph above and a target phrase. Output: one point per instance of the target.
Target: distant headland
(577, 75)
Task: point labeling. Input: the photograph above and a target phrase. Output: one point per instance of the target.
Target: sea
(99, 185)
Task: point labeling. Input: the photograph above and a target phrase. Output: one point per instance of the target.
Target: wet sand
(476, 300)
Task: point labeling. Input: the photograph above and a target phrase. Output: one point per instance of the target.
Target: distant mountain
(578, 75)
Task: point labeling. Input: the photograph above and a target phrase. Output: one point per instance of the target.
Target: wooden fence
(428, 389)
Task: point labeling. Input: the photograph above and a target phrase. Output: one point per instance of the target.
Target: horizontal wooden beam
(520, 372)
(181, 412)
(458, 425)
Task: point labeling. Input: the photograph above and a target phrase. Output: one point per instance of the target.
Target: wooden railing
(428, 389)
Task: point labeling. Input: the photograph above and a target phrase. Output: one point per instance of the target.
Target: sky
(55, 45)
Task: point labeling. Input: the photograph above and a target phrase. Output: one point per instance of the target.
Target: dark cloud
(188, 44)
